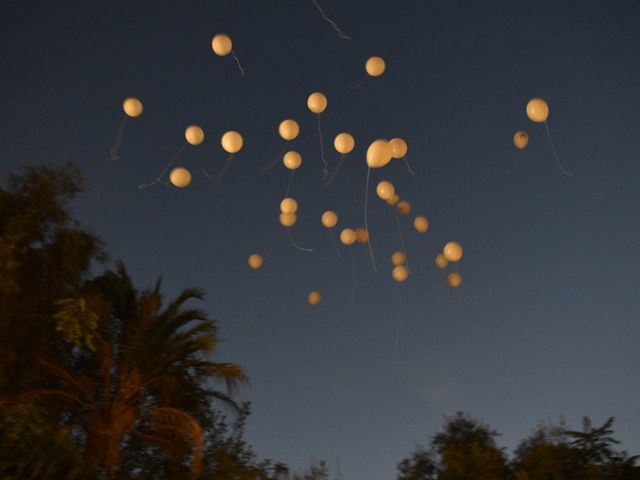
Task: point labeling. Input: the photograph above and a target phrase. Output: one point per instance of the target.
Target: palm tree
(140, 373)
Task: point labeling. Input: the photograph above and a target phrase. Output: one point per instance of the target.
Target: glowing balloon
(403, 207)
(288, 219)
(344, 143)
(314, 298)
(329, 219)
(348, 236)
(255, 261)
(398, 258)
(375, 66)
(385, 190)
(180, 177)
(231, 142)
(520, 139)
(454, 280)
(292, 160)
(394, 199)
(194, 135)
(400, 273)
(452, 251)
(378, 154)
(288, 129)
(132, 107)
(221, 44)
(362, 236)
(288, 205)
(317, 102)
(537, 110)
(421, 224)
(398, 147)
(441, 262)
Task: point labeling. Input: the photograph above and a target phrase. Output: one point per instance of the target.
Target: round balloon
(403, 207)
(398, 147)
(537, 110)
(344, 143)
(421, 224)
(180, 177)
(385, 190)
(132, 107)
(255, 261)
(454, 280)
(398, 258)
(288, 205)
(441, 262)
(452, 251)
(194, 134)
(329, 219)
(288, 129)
(394, 199)
(317, 102)
(231, 142)
(400, 273)
(292, 160)
(288, 219)
(362, 236)
(378, 154)
(221, 44)
(520, 139)
(375, 66)
(348, 236)
(314, 298)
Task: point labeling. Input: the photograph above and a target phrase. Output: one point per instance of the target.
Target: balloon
(520, 139)
(398, 147)
(441, 262)
(454, 280)
(537, 110)
(288, 219)
(317, 102)
(362, 236)
(344, 143)
(314, 298)
(452, 251)
(288, 129)
(421, 224)
(132, 107)
(194, 135)
(329, 219)
(398, 258)
(288, 205)
(375, 66)
(255, 261)
(292, 160)
(400, 273)
(394, 200)
(385, 190)
(221, 44)
(378, 154)
(348, 236)
(231, 142)
(403, 207)
(180, 177)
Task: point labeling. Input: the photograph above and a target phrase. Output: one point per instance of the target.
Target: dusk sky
(545, 323)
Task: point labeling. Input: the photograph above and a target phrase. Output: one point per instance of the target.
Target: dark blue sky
(546, 321)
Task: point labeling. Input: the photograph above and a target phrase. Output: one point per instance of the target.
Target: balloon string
(359, 84)
(325, 165)
(295, 244)
(233, 54)
(406, 162)
(335, 172)
(555, 155)
(293, 172)
(222, 171)
(404, 247)
(266, 168)
(335, 245)
(113, 152)
(159, 177)
(340, 33)
(353, 275)
(366, 225)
